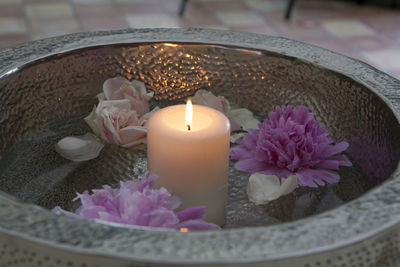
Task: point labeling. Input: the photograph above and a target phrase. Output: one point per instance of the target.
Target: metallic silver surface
(47, 86)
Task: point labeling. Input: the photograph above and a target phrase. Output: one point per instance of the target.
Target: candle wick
(188, 127)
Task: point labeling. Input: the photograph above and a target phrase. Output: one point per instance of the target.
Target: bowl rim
(320, 233)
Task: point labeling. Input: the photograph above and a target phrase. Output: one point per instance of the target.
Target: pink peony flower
(136, 203)
(290, 142)
(135, 91)
(116, 123)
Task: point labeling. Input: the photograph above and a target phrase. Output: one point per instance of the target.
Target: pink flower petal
(328, 164)
(130, 134)
(313, 178)
(192, 213)
(140, 106)
(338, 148)
(343, 160)
(249, 165)
(238, 153)
(280, 172)
(113, 85)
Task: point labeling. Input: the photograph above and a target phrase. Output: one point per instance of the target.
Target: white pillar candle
(191, 160)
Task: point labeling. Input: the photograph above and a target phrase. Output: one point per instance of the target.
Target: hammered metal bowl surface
(48, 86)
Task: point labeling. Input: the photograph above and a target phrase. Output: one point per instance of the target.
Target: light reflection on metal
(9, 72)
(169, 44)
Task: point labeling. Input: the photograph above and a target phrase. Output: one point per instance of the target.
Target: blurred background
(365, 29)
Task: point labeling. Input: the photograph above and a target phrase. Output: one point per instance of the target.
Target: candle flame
(189, 114)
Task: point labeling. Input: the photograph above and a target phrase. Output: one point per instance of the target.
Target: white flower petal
(235, 137)
(90, 120)
(234, 125)
(101, 97)
(148, 95)
(79, 148)
(289, 183)
(244, 118)
(263, 188)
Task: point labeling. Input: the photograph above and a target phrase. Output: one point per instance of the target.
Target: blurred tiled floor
(369, 33)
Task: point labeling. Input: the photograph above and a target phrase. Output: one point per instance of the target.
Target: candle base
(214, 203)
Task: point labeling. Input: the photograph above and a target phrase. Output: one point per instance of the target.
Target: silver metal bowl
(47, 86)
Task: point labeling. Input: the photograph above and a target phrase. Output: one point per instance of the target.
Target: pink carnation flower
(136, 203)
(290, 142)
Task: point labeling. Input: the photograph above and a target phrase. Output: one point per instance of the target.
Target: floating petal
(262, 188)
(244, 118)
(235, 137)
(79, 148)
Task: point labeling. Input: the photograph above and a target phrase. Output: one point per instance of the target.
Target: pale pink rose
(135, 91)
(240, 119)
(206, 98)
(116, 123)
